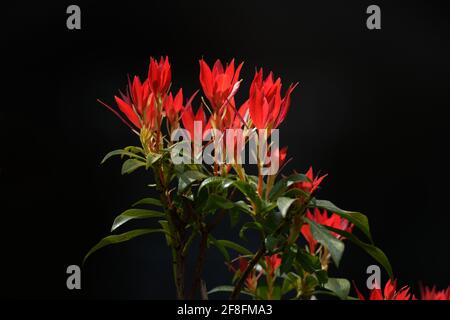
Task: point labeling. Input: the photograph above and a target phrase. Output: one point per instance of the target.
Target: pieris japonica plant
(193, 151)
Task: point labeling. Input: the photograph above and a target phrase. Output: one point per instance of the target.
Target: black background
(371, 110)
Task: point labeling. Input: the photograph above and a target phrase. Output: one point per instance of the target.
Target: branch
(200, 262)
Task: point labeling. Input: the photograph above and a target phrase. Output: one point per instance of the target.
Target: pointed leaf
(215, 181)
(340, 286)
(148, 201)
(219, 246)
(236, 247)
(250, 225)
(121, 152)
(323, 236)
(131, 214)
(113, 239)
(218, 202)
(372, 250)
(228, 289)
(358, 219)
(250, 192)
(187, 178)
(131, 165)
(283, 204)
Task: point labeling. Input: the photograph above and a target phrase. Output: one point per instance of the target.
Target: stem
(269, 185)
(200, 263)
(177, 231)
(260, 184)
(251, 265)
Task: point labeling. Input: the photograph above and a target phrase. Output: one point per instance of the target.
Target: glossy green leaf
(358, 219)
(228, 289)
(250, 192)
(282, 185)
(322, 276)
(340, 286)
(236, 247)
(250, 225)
(219, 245)
(134, 149)
(187, 178)
(224, 183)
(218, 202)
(372, 250)
(121, 152)
(131, 165)
(131, 214)
(284, 204)
(148, 201)
(297, 177)
(323, 236)
(152, 158)
(113, 239)
(308, 262)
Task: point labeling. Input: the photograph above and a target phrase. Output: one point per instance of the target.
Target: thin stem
(200, 263)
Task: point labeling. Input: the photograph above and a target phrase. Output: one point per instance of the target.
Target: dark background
(371, 110)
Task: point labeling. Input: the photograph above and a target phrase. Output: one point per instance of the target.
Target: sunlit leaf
(131, 214)
(284, 204)
(121, 152)
(131, 165)
(340, 286)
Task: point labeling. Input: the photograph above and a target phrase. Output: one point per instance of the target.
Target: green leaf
(224, 183)
(236, 247)
(323, 236)
(134, 149)
(220, 246)
(340, 286)
(113, 239)
(148, 201)
(372, 250)
(308, 262)
(288, 258)
(187, 178)
(228, 289)
(151, 159)
(281, 186)
(358, 219)
(242, 206)
(322, 276)
(297, 177)
(250, 192)
(217, 202)
(283, 204)
(290, 282)
(131, 165)
(297, 193)
(121, 152)
(273, 242)
(250, 225)
(234, 216)
(131, 214)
